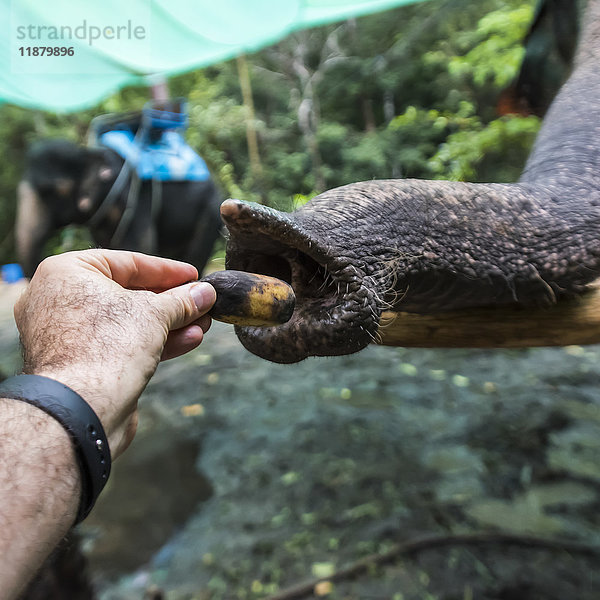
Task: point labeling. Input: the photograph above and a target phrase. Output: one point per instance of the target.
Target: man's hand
(99, 321)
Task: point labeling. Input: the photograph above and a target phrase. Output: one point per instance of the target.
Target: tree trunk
(368, 115)
(251, 137)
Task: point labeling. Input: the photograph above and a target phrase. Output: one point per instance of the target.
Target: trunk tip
(231, 209)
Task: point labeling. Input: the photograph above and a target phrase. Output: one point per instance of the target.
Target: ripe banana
(250, 299)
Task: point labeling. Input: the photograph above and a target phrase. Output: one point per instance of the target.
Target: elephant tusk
(569, 322)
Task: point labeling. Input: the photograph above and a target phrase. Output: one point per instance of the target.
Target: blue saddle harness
(169, 158)
(153, 149)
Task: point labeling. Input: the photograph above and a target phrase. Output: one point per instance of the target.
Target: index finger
(134, 270)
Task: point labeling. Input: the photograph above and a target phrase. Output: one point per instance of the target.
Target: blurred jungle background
(411, 92)
(247, 477)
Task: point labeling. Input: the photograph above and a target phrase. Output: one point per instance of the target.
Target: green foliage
(497, 53)
(405, 93)
(492, 152)
(421, 132)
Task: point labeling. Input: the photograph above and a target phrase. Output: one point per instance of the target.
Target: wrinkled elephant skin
(431, 246)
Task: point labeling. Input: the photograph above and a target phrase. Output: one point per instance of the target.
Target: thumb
(187, 303)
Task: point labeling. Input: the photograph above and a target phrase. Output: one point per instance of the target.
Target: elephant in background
(65, 183)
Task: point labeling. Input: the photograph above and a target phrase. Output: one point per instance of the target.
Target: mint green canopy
(108, 44)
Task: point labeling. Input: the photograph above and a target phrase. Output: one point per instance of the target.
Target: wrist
(96, 393)
(80, 381)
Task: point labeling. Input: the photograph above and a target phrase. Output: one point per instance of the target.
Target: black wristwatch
(81, 423)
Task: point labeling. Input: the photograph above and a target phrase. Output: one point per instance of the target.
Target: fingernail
(203, 294)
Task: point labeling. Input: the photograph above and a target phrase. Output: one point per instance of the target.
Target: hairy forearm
(39, 491)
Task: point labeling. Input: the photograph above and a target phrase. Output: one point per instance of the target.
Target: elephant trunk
(434, 246)
(566, 153)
